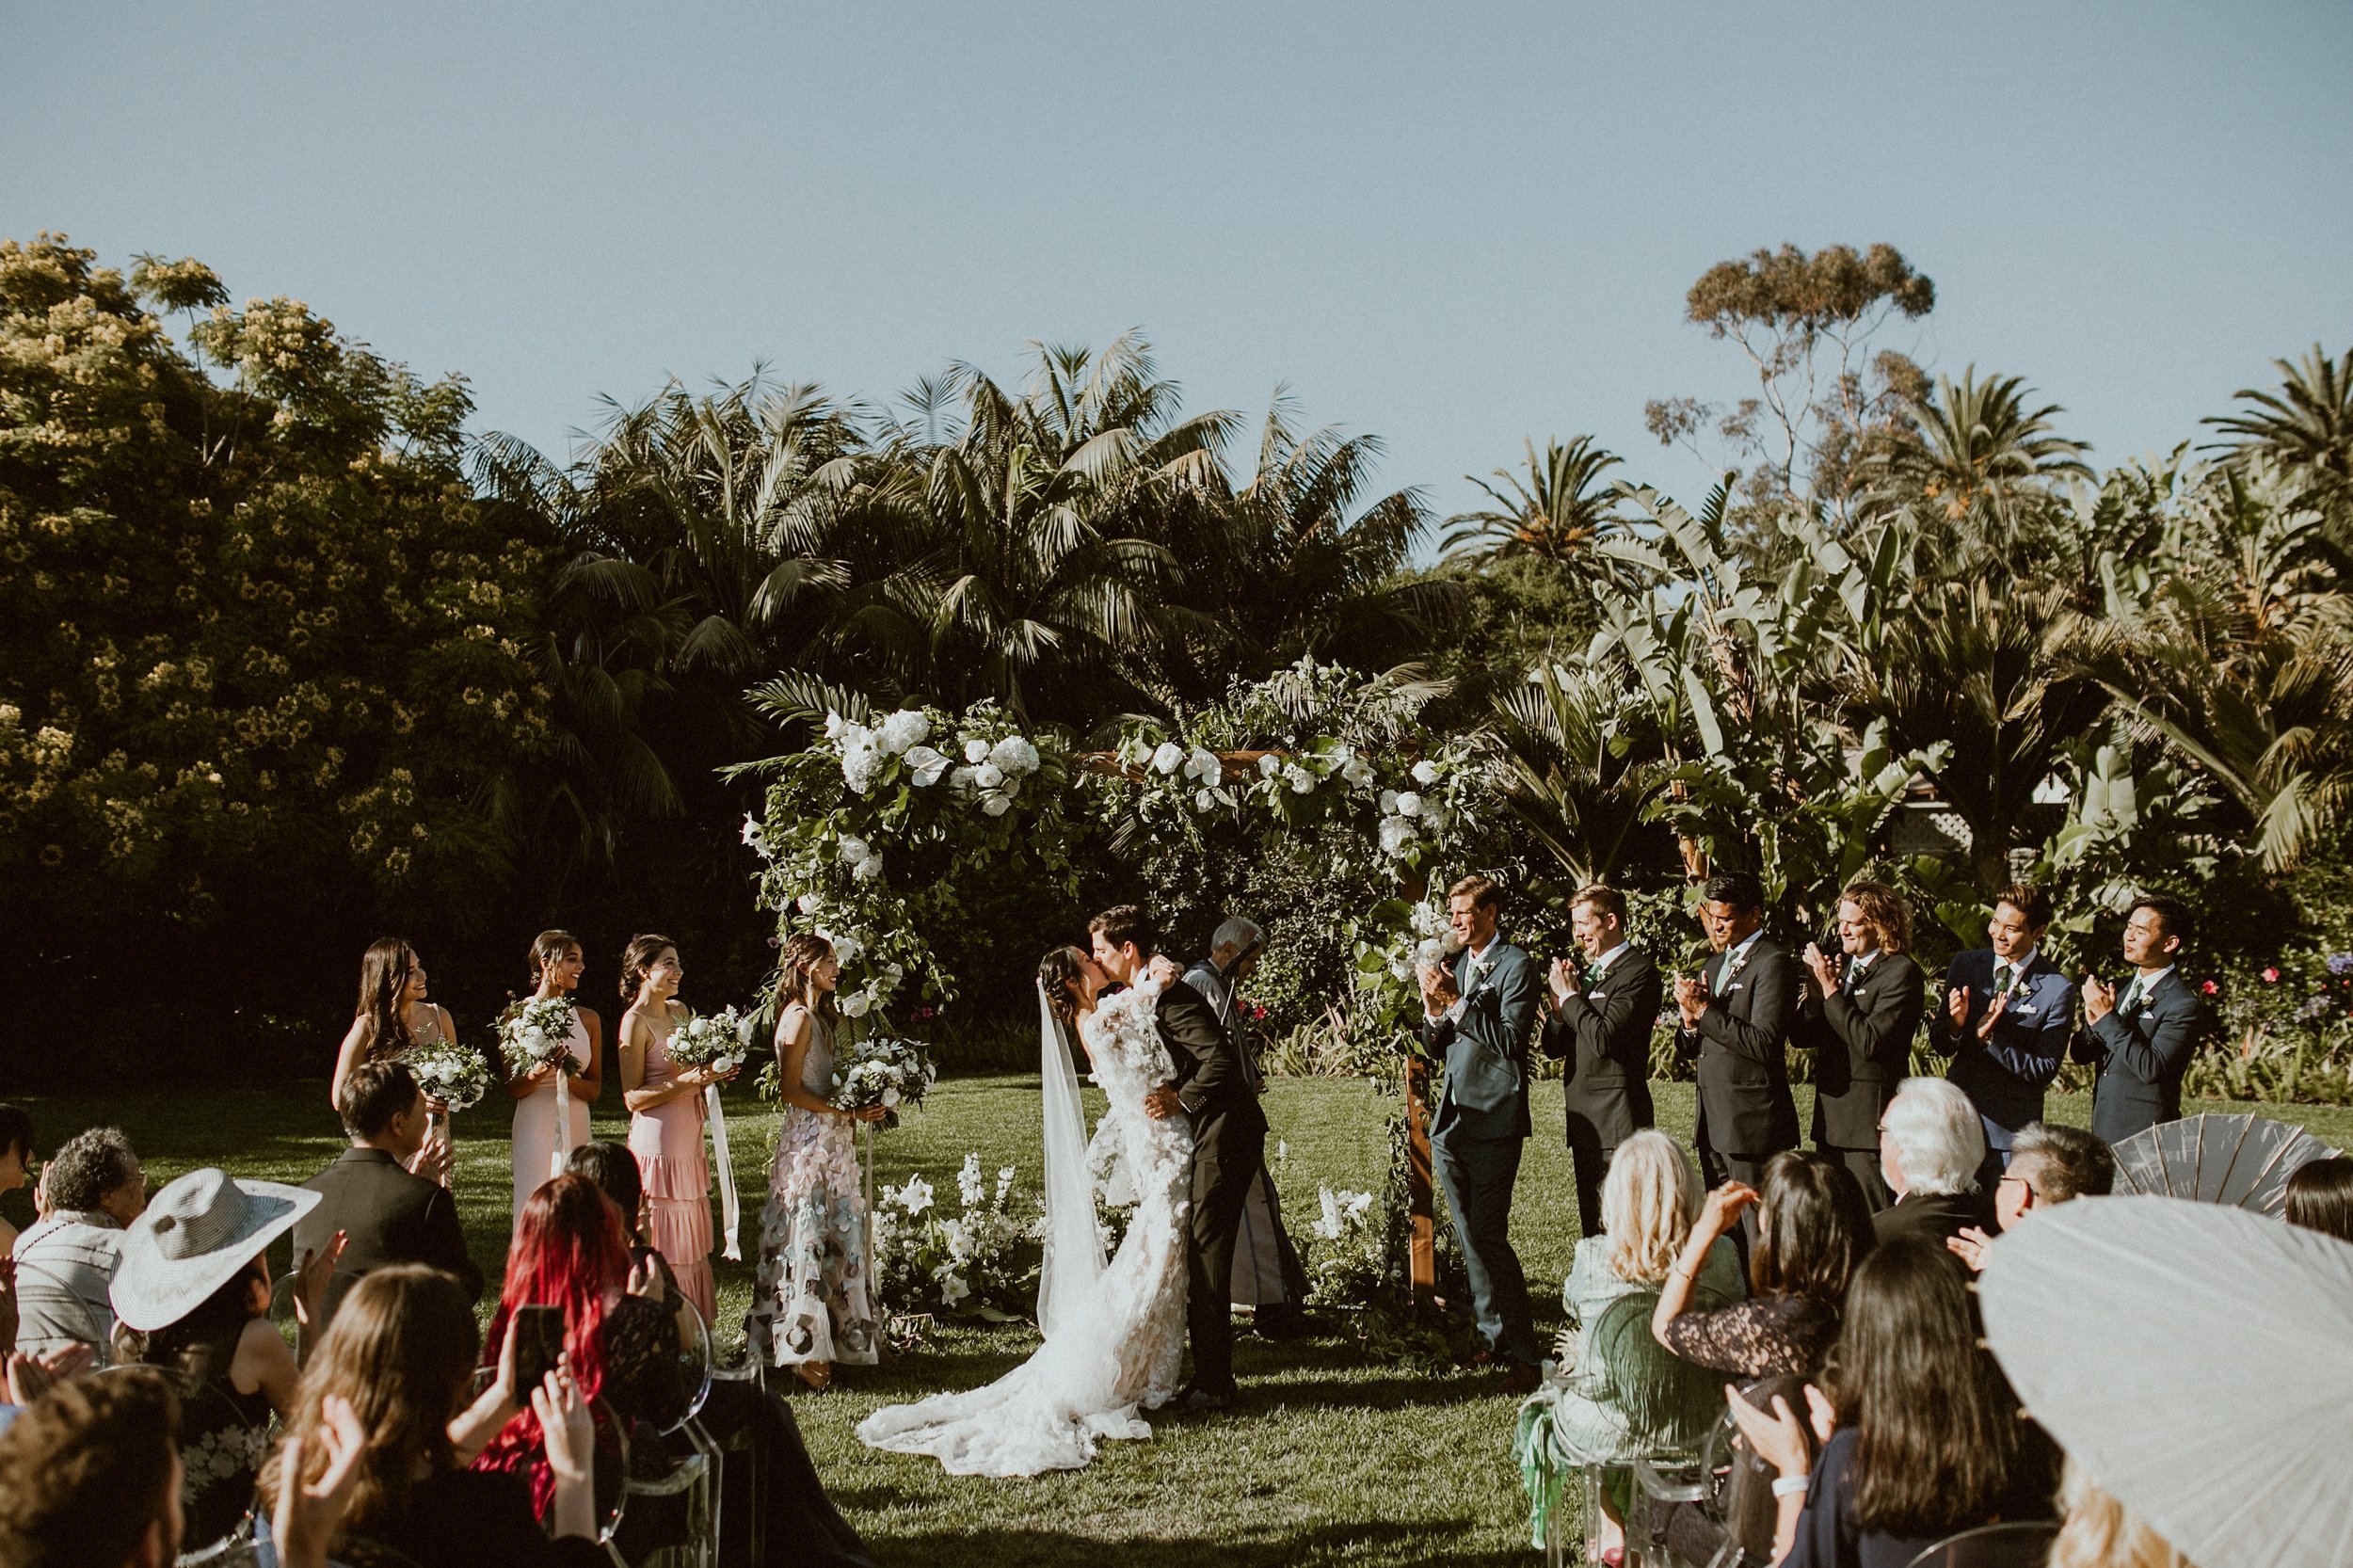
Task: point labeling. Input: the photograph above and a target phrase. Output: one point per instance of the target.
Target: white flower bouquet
(450, 1073)
(713, 1040)
(536, 1033)
(883, 1070)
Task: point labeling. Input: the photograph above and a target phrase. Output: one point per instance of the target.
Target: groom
(1212, 1087)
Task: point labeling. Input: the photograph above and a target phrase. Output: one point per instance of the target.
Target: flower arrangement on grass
(982, 1261)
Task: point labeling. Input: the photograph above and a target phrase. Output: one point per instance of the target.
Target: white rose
(1388, 803)
(988, 776)
(1299, 780)
(854, 849)
(1425, 773)
(1169, 757)
(1408, 804)
(1203, 764)
(1270, 766)
(868, 869)
(1014, 755)
(961, 781)
(854, 1005)
(1011, 787)
(890, 1096)
(976, 751)
(995, 805)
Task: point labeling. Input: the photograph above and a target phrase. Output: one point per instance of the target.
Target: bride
(1115, 1334)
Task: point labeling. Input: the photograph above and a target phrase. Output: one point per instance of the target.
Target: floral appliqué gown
(813, 1301)
(1125, 1354)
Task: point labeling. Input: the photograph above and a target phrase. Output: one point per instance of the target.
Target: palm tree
(1976, 445)
(1579, 766)
(2306, 424)
(1552, 510)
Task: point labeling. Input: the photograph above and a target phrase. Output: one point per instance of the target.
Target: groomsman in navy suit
(1478, 1013)
(2142, 1040)
(2005, 1020)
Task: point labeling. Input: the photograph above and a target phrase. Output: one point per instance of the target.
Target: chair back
(2021, 1543)
(1742, 1485)
(1669, 1403)
(689, 1369)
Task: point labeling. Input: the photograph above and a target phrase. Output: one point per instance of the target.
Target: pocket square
(1596, 995)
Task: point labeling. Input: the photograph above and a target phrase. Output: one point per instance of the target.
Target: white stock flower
(1270, 766)
(861, 759)
(1168, 758)
(968, 1180)
(927, 765)
(907, 727)
(1203, 765)
(1425, 773)
(976, 750)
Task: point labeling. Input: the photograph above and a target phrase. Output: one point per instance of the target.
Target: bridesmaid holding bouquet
(556, 962)
(395, 1016)
(666, 1123)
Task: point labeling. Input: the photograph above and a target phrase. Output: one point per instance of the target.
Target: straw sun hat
(197, 1234)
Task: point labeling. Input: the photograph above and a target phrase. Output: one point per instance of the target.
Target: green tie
(2131, 995)
(2004, 976)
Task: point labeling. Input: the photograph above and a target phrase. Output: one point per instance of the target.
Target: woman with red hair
(571, 1251)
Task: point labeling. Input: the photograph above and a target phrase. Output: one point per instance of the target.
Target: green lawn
(1331, 1461)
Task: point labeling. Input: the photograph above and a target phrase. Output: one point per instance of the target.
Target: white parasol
(2241, 1159)
(2197, 1360)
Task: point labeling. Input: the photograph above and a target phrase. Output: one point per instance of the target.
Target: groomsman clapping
(1736, 1021)
(2141, 1038)
(2003, 1020)
(1859, 1019)
(1604, 1005)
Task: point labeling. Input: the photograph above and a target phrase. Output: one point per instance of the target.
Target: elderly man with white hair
(1931, 1144)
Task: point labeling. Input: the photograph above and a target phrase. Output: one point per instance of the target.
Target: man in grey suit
(2142, 1040)
(1602, 1012)
(1735, 1022)
(1477, 1015)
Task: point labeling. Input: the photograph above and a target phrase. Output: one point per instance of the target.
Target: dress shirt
(2140, 987)
(1600, 966)
(1733, 954)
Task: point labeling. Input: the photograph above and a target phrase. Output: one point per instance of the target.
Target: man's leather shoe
(1193, 1399)
(1284, 1320)
(1520, 1379)
(1477, 1359)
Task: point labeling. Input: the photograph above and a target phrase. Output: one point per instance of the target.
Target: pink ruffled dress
(668, 1144)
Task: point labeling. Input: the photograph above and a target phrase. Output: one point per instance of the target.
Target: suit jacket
(1861, 1040)
(1745, 1107)
(1484, 1045)
(2141, 1058)
(1935, 1217)
(1603, 1035)
(2005, 1075)
(1211, 1079)
(387, 1215)
(1217, 989)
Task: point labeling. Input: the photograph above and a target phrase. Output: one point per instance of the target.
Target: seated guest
(2320, 1197)
(2047, 1164)
(16, 1158)
(192, 1297)
(2142, 1040)
(66, 1260)
(614, 1168)
(2097, 1531)
(88, 1476)
(401, 1354)
(374, 1194)
(1813, 1226)
(1921, 1432)
(1931, 1150)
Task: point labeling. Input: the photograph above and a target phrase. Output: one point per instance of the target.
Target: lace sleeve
(639, 1342)
(1755, 1339)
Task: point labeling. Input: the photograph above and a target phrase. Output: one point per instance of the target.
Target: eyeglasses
(2021, 1180)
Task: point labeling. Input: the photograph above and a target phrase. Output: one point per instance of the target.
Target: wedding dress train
(1116, 1332)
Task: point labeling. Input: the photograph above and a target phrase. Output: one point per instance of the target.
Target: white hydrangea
(927, 765)
(1014, 755)
(907, 726)
(1168, 758)
(1396, 835)
(1425, 773)
(1204, 766)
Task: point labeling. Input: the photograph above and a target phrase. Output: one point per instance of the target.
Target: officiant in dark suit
(1478, 1012)
(1859, 1019)
(1736, 1024)
(1603, 1008)
(2142, 1039)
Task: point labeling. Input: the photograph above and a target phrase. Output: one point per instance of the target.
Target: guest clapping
(1859, 1019)
(2142, 1039)
(66, 1260)
(2320, 1196)
(1931, 1149)
(1813, 1226)
(16, 1162)
(556, 963)
(376, 1194)
(2047, 1164)
(394, 1014)
(1921, 1434)
(1603, 1006)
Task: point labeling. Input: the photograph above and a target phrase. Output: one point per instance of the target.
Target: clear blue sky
(1451, 225)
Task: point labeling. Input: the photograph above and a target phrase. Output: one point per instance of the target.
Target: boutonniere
(1733, 968)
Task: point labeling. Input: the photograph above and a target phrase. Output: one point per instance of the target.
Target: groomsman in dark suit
(2142, 1040)
(1602, 1013)
(1859, 1019)
(1477, 1016)
(1736, 1021)
(2006, 1013)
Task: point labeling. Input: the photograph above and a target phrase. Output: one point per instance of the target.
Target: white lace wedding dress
(1115, 1348)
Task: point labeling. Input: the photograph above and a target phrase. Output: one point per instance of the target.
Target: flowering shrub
(982, 1261)
(2287, 1032)
(1344, 1252)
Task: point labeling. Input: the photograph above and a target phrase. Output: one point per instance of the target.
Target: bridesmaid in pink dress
(665, 1124)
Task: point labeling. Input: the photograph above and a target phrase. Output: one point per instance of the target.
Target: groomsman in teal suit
(1477, 1015)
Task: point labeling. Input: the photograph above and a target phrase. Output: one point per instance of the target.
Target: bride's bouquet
(883, 1070)
(448, 1072)
(713, 1040)
(535, 1033)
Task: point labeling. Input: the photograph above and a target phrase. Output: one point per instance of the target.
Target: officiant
(1268, 1276)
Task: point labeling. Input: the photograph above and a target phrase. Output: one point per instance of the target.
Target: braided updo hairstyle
(796, 979)
(636, 959)
(1056, 972)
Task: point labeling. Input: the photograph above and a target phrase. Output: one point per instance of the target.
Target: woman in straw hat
(192, 1296)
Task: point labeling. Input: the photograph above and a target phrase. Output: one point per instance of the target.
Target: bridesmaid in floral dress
(556, 962)
(666, 1123)
(812, 1305)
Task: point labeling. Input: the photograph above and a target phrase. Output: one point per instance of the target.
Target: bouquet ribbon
(731, 1205)
(560, 1149)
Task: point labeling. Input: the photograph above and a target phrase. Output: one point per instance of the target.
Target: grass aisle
(1331, 1461)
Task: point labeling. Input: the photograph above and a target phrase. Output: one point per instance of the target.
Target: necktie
(2131, 995)
(1854, 979)
(2005, 976)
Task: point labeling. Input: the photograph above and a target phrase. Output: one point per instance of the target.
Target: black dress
(1827, 1536)
(224, 1436)
(472, 1519)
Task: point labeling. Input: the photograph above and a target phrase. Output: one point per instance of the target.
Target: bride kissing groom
(1183, 1132)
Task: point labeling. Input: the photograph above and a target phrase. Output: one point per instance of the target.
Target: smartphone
(538, 1340)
